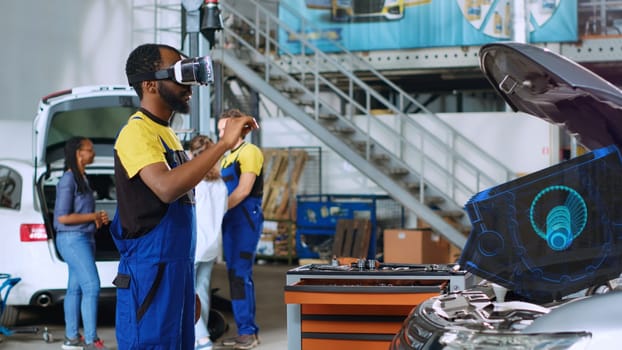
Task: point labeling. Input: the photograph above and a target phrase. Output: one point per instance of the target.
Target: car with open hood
(547, 246)
(28, 191)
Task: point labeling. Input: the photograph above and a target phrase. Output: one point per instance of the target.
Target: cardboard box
(415, 246)
(454, 252)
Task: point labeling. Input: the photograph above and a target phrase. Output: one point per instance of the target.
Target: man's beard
(175, 102)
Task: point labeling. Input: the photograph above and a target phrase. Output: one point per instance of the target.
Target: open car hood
(544, 84)
(559, 230)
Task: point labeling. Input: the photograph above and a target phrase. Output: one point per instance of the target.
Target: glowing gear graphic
(564, 222)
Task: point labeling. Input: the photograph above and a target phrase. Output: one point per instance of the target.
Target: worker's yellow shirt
(140, 143)
(248, 156)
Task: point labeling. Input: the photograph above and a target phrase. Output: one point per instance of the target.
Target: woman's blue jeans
(78, 251)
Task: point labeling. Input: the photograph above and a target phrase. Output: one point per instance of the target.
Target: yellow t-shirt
(140, 143)
(248, 155)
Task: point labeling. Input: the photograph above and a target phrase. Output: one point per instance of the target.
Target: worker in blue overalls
(242, 224)
(154, 226)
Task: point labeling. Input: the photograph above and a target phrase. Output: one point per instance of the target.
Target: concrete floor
(271, 314)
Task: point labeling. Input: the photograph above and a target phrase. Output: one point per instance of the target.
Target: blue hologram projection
(550, 233)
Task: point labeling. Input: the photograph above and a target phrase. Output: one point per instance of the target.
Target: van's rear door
(95, 112)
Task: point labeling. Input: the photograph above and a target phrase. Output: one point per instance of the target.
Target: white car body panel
(37, 263)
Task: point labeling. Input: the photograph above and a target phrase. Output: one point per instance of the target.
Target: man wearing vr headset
(154, 226)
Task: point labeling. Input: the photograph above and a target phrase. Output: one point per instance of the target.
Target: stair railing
(414, 139)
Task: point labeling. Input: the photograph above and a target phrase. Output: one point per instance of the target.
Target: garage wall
(53, 45)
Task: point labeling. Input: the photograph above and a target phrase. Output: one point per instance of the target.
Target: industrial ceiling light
(211, 20)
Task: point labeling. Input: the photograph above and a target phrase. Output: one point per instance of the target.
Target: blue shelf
(317, 216)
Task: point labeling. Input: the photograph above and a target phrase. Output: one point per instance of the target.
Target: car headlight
(467, 339)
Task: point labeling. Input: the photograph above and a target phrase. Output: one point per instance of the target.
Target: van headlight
(463, 339)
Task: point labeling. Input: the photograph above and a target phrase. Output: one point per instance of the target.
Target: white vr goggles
(188, 71)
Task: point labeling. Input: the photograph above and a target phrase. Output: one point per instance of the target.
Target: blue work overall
(241, 229)
(155, 283)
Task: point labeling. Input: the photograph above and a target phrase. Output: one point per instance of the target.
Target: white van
(28, 185)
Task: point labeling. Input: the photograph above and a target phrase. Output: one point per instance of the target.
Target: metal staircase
(420, 161)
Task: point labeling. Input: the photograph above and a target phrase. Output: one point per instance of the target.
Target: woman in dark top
(76, 221)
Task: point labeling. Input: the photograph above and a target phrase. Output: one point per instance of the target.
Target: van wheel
(9, 316)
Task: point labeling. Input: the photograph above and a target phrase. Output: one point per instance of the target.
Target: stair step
(257, 66)
(341, 129)
(303, 102)
(277, 78)
(328, 117)
(413, 186)
(292, 90)
(434, 200)
(398, 171)
(380, 157)
(455, 214)
(359, 145)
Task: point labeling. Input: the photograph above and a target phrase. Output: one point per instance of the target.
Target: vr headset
(188, 71)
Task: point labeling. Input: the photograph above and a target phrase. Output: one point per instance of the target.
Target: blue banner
(368, 25)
